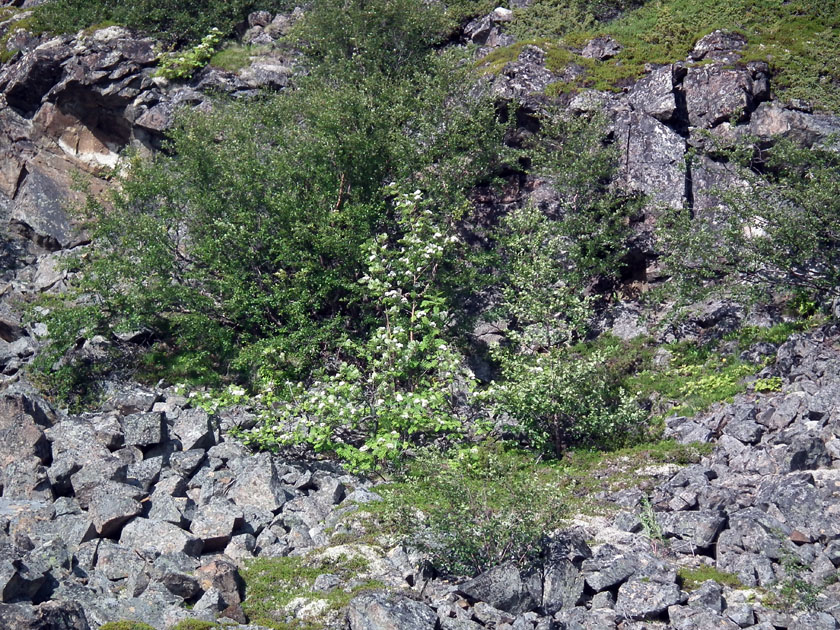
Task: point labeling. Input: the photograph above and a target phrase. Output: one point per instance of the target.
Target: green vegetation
(692, 578)
(234, 57)
(476, 507)
(126, 625)
(173, 21)
(800, 39)
(795, 591)
(197, 624)
(779, 233)
(271, 584)
(482, 508)
(315, 256)
(182, 65)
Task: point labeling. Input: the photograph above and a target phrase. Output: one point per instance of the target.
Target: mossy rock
(126, 625)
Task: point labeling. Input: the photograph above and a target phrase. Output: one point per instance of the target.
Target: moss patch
(126, 625)
(271, 584)
(692, 579)
(235, 57)
(800, 39)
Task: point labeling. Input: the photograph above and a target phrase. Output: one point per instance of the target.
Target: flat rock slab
(215, 523)
(646, 600)
(378, 611)
(143, 429)
(159, 536)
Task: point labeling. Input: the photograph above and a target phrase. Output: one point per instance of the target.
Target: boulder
(379, 611)
(112, 504)
(502, 587)
(651, 158)
(159, 537)
(143, 429)
(639, 599)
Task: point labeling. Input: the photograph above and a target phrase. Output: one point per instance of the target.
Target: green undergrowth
(235, 57)
(691, 579)
(474, 508)
(272, 583)
(690, 377)
(800, 39)
(126, 625)
(198, 624)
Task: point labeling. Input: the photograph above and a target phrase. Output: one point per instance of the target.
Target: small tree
(550, 265)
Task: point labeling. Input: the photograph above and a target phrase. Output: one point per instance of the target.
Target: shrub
(561, 400)
(401, 386)
(549, 265)
(182, 65)
(174, 21)
(243, 246)
(777, 232)
(479, 509)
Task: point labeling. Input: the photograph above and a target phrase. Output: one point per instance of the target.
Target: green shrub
(559, 398)
(480, 509)
(777, 233)
(174, 21)
(240, 249)
(562, 400)
(182, 65)
(400, 389)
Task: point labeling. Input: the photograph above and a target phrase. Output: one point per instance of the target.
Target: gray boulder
(112, 504)
(640, 599)
(502, 587)
(378, 611)
(159, 537)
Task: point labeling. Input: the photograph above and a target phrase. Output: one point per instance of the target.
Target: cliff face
(126, 512)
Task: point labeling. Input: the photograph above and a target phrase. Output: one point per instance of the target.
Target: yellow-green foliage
(271, 583)
(196, 624)
(235, 57)
(692, 578)
(800, 39)
(126, 625)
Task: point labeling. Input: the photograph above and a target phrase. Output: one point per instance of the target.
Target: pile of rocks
(136, 511)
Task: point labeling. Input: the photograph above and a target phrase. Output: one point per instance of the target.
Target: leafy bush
(403, 380)
(549, 265)
(174, 21)
(778, 232)
(240, 250)
(183, 65)
(480, 509)
(562, 400)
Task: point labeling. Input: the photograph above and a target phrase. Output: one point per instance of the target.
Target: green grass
(26, 24)
(692, 579)
(235, 57)
(272, 583)
(197, 624)
(126, 625)
(799, 39)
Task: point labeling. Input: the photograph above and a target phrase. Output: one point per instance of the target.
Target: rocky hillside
(147, 508)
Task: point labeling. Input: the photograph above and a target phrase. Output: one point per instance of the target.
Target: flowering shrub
(401, 385)
(183, 64)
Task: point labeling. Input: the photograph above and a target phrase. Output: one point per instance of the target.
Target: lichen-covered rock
(379, 611)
